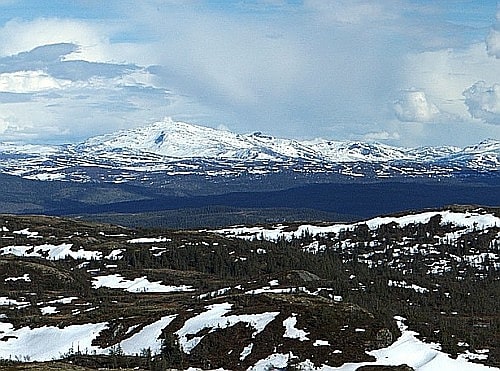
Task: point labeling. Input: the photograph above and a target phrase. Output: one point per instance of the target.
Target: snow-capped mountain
(180, 140)
(167, 148)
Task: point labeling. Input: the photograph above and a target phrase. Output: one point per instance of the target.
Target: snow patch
(215, 318)
(142, 284)
(149, 240)
(33, 344)
(246, 352)
(291, 331)
(51, 252)
(148, 337)
(24, 277)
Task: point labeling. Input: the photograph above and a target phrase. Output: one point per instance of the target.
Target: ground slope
(328, 296)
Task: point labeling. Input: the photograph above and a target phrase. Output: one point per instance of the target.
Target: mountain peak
(166, 137)
(184, 140)
(489, 144)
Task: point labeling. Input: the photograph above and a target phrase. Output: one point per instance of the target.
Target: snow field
(51, 252)
(142, 284)
(216, 317)
(467, 220)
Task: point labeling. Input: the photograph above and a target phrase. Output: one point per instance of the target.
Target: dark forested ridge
(196, 202)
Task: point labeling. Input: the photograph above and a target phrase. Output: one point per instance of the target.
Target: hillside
(295, 295)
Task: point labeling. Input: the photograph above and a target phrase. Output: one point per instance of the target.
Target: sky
(400, 72)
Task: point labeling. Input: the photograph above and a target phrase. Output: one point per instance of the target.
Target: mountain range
(150, 153)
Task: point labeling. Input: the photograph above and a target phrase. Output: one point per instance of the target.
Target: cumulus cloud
(381, 136)
(414, 106)
(43, 101)
(18, 36)
(483, 102)
(29, 82)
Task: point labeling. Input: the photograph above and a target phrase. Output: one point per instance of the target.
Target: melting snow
(26, 232)
(320, 343)
(4, 300)
(403, 284)
(246, 352)
(468, 220)
(33, 344)
(142, 284)
(51, 252)
(149, 240)
(115, 254)
(148, 337)
(215, 317)
(48, 310)
(25, 277)
(67, 300)
(291, 331)
(273, 362)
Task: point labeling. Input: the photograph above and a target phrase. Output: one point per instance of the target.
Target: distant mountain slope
(154, 153)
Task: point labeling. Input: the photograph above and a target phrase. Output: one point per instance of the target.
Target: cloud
(353, 12)
(94, 97)
(52, 59)
(290, 68)
(414, 106)
(29, 82)
(381, 136)
(3, 125)
(18, 36)
(483, 102)
(493, 39)
(493, 43)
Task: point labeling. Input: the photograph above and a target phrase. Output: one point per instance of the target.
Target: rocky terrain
(416, 289)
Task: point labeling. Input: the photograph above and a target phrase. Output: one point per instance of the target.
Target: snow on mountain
(484, 155)
(176, 148)
(181, 140)
(172, 139)
(462, 221)
(336, 151)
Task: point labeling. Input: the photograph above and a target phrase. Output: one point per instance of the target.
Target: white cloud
(483, 102)
(493, 43)
(256, 65)
(444, 75)
(414, 106)
(18, 36)
(29, 82)
(381, 136)
(353, 12)
(72, 98)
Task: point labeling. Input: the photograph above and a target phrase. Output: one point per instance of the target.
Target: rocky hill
(418, 289)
